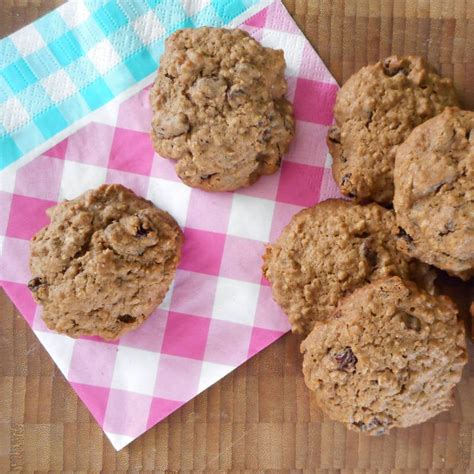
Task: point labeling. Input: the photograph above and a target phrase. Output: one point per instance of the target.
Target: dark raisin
(346, 179)
(369, 253)
(387, 69)
(126, 318)
(334, 135)
(235, 96)
(346, 360)
(346, 184)
(35, 283)
(436, 188)
(261, 158)
(82, 251)
(207, 176)
(369, 119)
(375, 423)
(267, 134)
(378, 426)
(411, 322)
(141, 231)
(448, 228)
(236, 93)
(403, 235)
(391, 67)
(468, 135)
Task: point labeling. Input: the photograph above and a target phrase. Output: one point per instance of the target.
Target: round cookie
(219, 108)
(376, 109)
(327, 251)
(434, 192)
(390, 357)
(104, 262)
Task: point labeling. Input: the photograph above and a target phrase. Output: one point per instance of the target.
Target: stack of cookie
(354, 277)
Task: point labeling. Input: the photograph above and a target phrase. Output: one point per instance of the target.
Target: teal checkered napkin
(59, 69)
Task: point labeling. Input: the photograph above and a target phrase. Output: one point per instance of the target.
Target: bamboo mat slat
(260, 417)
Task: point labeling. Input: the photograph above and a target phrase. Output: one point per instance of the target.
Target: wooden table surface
(260, 417)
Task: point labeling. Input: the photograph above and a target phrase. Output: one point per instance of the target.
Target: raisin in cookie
(104, 262)
(375, 111)
(219, 108)
(390, 357)
(327, 251)
(434, 192)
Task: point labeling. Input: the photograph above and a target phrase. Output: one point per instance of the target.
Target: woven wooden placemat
(260, 417)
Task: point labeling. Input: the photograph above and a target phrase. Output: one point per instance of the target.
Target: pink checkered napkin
(219, 311)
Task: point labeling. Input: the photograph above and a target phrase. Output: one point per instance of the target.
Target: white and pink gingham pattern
(219, 311)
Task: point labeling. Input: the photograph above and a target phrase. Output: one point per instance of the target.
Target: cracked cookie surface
(434, 192)
(327, 251)
(390, 356)
(104, 262)
(219, 108)
(376, 109)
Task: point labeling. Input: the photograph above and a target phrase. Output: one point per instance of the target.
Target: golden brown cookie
(376, 109)
(104, 263)
(390, 357)
(219, 108)
(327, 251)
(434, 192)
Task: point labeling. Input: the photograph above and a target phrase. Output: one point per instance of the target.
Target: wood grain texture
(260, 417)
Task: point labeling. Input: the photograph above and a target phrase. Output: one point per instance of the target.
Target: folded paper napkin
(219, 311)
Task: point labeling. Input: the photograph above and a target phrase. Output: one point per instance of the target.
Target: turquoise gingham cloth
(77, 58)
